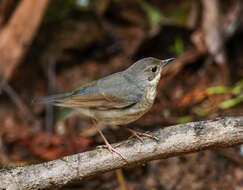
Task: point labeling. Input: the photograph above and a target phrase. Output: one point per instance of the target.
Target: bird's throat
(151, 93)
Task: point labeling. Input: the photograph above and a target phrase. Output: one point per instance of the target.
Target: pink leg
(107, 144)
(139, 135)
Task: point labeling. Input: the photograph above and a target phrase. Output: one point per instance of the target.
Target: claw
(139, 134)
(107, 144)
(111, 149)
(135, 134)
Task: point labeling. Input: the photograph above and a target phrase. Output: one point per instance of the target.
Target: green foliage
(179, 15)
(184, 119)
(202, 112)
(231, 102)
(238, 87)
(218, 90)
(235, 91)
(154, 15)
(178, 47)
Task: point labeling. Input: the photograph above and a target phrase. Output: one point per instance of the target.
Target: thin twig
(174, 140)
(24, 110)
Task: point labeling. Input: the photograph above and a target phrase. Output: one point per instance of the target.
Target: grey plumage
(113, 91)
(119, 98)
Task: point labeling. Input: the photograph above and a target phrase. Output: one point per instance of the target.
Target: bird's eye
(154, 69)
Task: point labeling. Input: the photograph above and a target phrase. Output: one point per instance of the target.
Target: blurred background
(53, 46)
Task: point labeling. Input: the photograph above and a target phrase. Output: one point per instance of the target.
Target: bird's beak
(166, 61)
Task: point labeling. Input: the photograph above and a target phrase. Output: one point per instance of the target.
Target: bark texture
(173, 140)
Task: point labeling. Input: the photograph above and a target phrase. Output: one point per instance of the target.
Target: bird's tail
(53, 99)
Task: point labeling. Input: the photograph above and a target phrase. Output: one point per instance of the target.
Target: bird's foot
(114, 145)
(139, 135)
(107, 144)
(112, 149)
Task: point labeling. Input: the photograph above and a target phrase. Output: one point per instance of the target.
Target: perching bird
(117, 99)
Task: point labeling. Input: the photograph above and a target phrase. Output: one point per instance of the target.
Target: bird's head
(147, 71)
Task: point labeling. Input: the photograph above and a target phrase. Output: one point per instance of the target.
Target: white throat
(152, 91)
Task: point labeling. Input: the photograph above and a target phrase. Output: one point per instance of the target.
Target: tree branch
(174, 140)
(18, 34)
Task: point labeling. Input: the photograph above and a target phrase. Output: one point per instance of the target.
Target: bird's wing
(105, 93)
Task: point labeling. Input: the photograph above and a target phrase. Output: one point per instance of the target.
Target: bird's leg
(135, 134)
(107, 144)
(139, 135)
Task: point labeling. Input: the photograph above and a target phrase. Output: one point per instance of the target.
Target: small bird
(117, 99)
